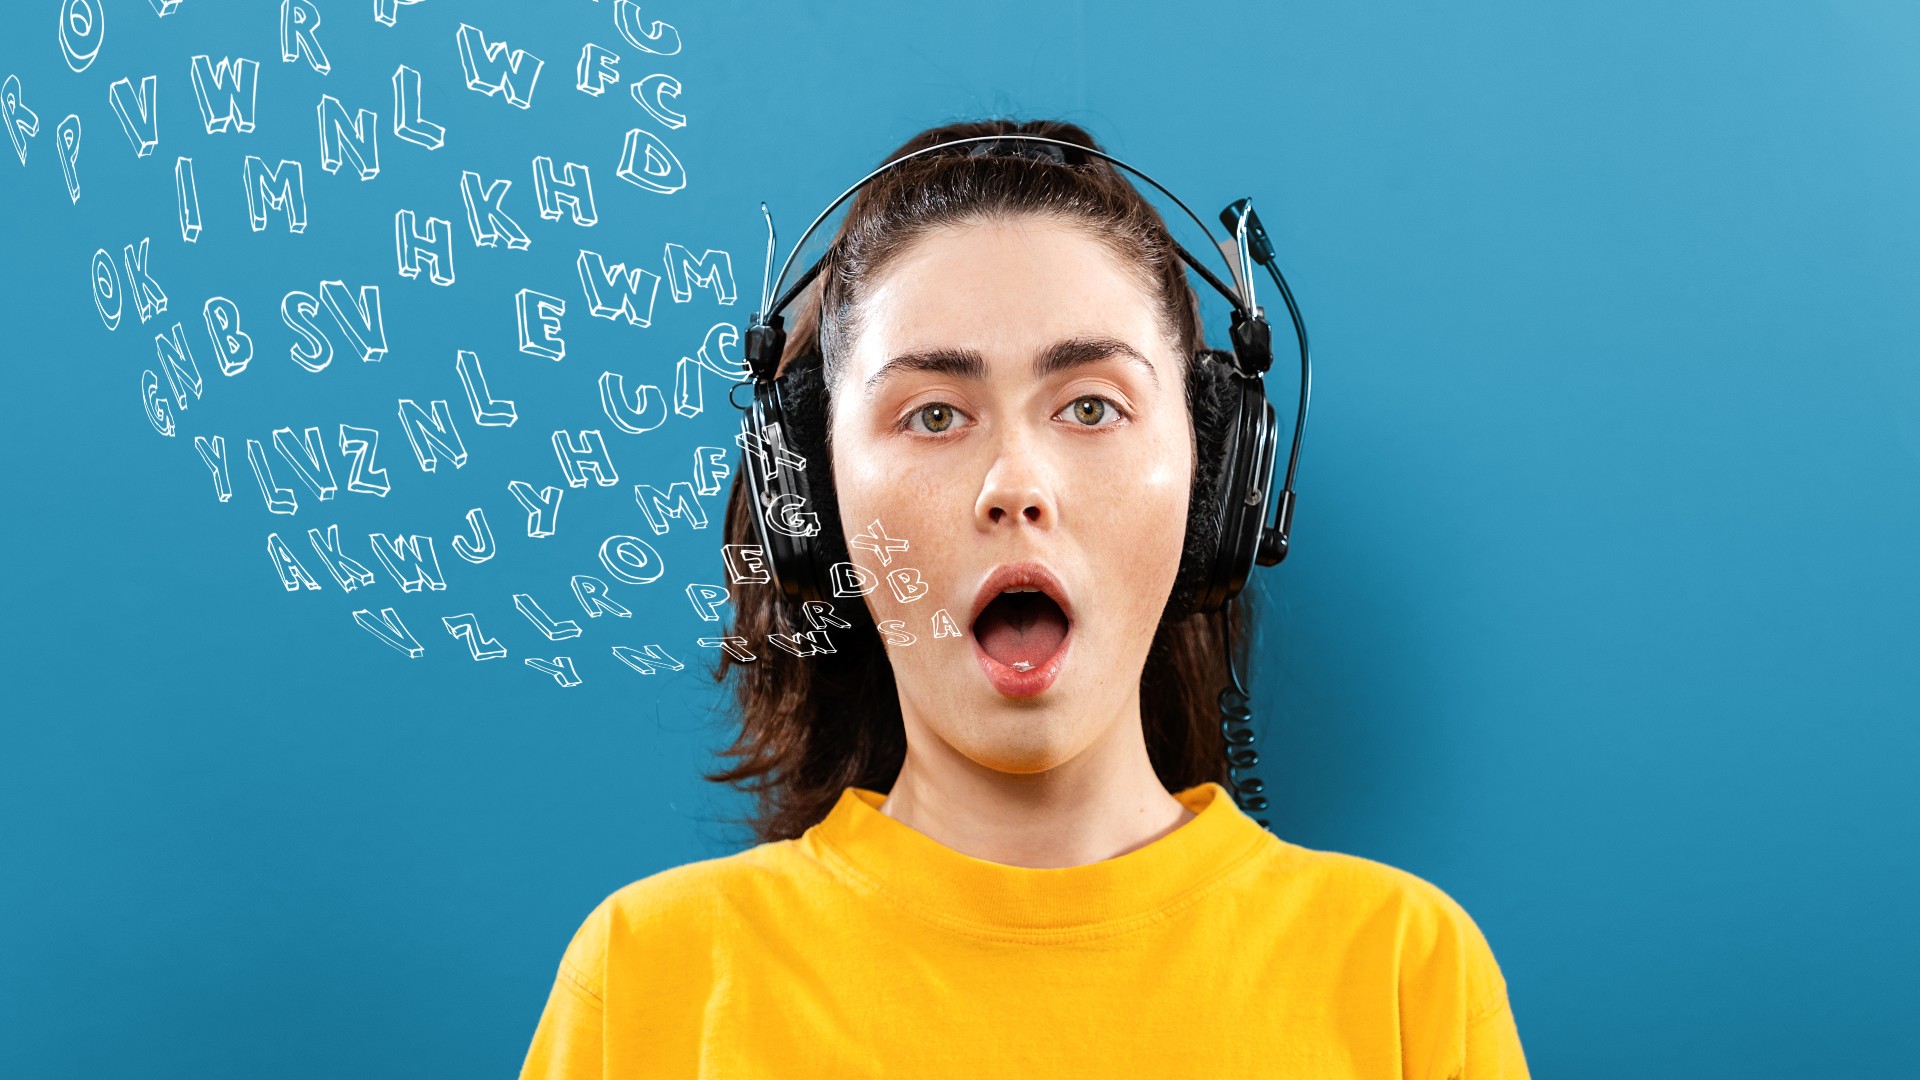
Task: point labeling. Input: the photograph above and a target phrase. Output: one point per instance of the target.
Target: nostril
(1033, 513)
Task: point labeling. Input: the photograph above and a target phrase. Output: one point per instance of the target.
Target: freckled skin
(1015, 475)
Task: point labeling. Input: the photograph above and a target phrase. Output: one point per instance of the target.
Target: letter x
(876, 540)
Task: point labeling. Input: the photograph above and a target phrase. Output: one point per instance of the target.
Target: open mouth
(1022, 629)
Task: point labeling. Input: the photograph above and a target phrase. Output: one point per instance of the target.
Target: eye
(1093, 411)
(933, 418)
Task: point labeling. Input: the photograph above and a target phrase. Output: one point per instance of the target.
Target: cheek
(915, 502)
(1138, 521)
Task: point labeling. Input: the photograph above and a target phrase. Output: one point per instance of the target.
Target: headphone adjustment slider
(1252, 343)
(766, 338)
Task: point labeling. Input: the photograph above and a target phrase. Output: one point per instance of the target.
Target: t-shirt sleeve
(1493, 1046)
(1456, 1021)
(1490, 1049)
(567, 1042)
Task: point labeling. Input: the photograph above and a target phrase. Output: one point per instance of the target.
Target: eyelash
(1122, 416)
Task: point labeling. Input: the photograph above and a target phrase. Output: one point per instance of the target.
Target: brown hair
(810, 727)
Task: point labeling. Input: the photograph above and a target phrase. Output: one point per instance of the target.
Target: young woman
(993, 835)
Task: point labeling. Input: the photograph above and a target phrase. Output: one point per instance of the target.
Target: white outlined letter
(467, 628)
(623, 285)
(106, 289)
(187, 195)
(231, 345)
(411, 247)
(559, 630)
(539, 309)
(23, 123)
(650, 90)
(83, 29)
(493, 68)
(362, 445)
(308, 459)
(148, 300)
(735, 647)
(387, 12)
(66, 144)
(292, 575)
(407, 562)
(685, 273)
(568, 192)
(598, 69)
(587, 454)
(298, 21)
(347, 572)
(662, 171)
(177, 364)
(359, 319)
(390, 629)
(214, 453)
(658, 507)
(632, 560)
(139, 116)
(660, 39)
(488, 411)
(355, 141)
(592, 594)
(408, 124)
(297, 310)
(495, 224)
(706, 600)
(746, 564)
(543, 507)
(431, 437)
(237, 79)
(480, 548)
(282, 187)
(644, 411)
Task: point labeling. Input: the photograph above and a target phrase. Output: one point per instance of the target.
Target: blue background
(1601, 614)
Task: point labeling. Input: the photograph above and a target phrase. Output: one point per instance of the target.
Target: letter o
(106, 289)
(628, 558)
(83, 27)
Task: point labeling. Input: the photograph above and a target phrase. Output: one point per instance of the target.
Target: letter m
(678, 501)
(713, 269)
(282, 187)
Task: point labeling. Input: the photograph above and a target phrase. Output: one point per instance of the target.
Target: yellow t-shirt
(867, 949)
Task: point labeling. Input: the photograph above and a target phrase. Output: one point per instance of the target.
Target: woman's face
(1009, 397)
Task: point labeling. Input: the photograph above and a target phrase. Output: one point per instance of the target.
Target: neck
(1101, 804)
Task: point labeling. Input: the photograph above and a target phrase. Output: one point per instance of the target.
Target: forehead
(1004, 287)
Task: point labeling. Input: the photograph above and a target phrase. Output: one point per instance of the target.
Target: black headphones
(785, 460)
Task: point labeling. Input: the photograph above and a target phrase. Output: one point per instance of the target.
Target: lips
(1021, 627)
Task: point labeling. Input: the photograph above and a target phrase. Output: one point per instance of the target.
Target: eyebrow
(1063, 355)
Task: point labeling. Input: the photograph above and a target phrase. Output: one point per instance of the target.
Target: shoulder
(678, 907)
(1371, 887)
(1436, 946)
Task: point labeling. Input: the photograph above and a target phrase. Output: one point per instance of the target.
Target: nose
(1016, 489)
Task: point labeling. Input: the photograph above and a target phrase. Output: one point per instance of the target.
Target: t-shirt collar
(880, 854)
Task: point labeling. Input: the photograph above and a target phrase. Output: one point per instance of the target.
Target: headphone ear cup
(802, 396)
(1213, 398)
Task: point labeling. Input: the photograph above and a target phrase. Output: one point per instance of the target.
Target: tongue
(1021, 627)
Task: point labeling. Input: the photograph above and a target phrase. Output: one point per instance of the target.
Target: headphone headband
(987, 145)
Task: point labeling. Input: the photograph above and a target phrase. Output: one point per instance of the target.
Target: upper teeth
(1022, 588)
